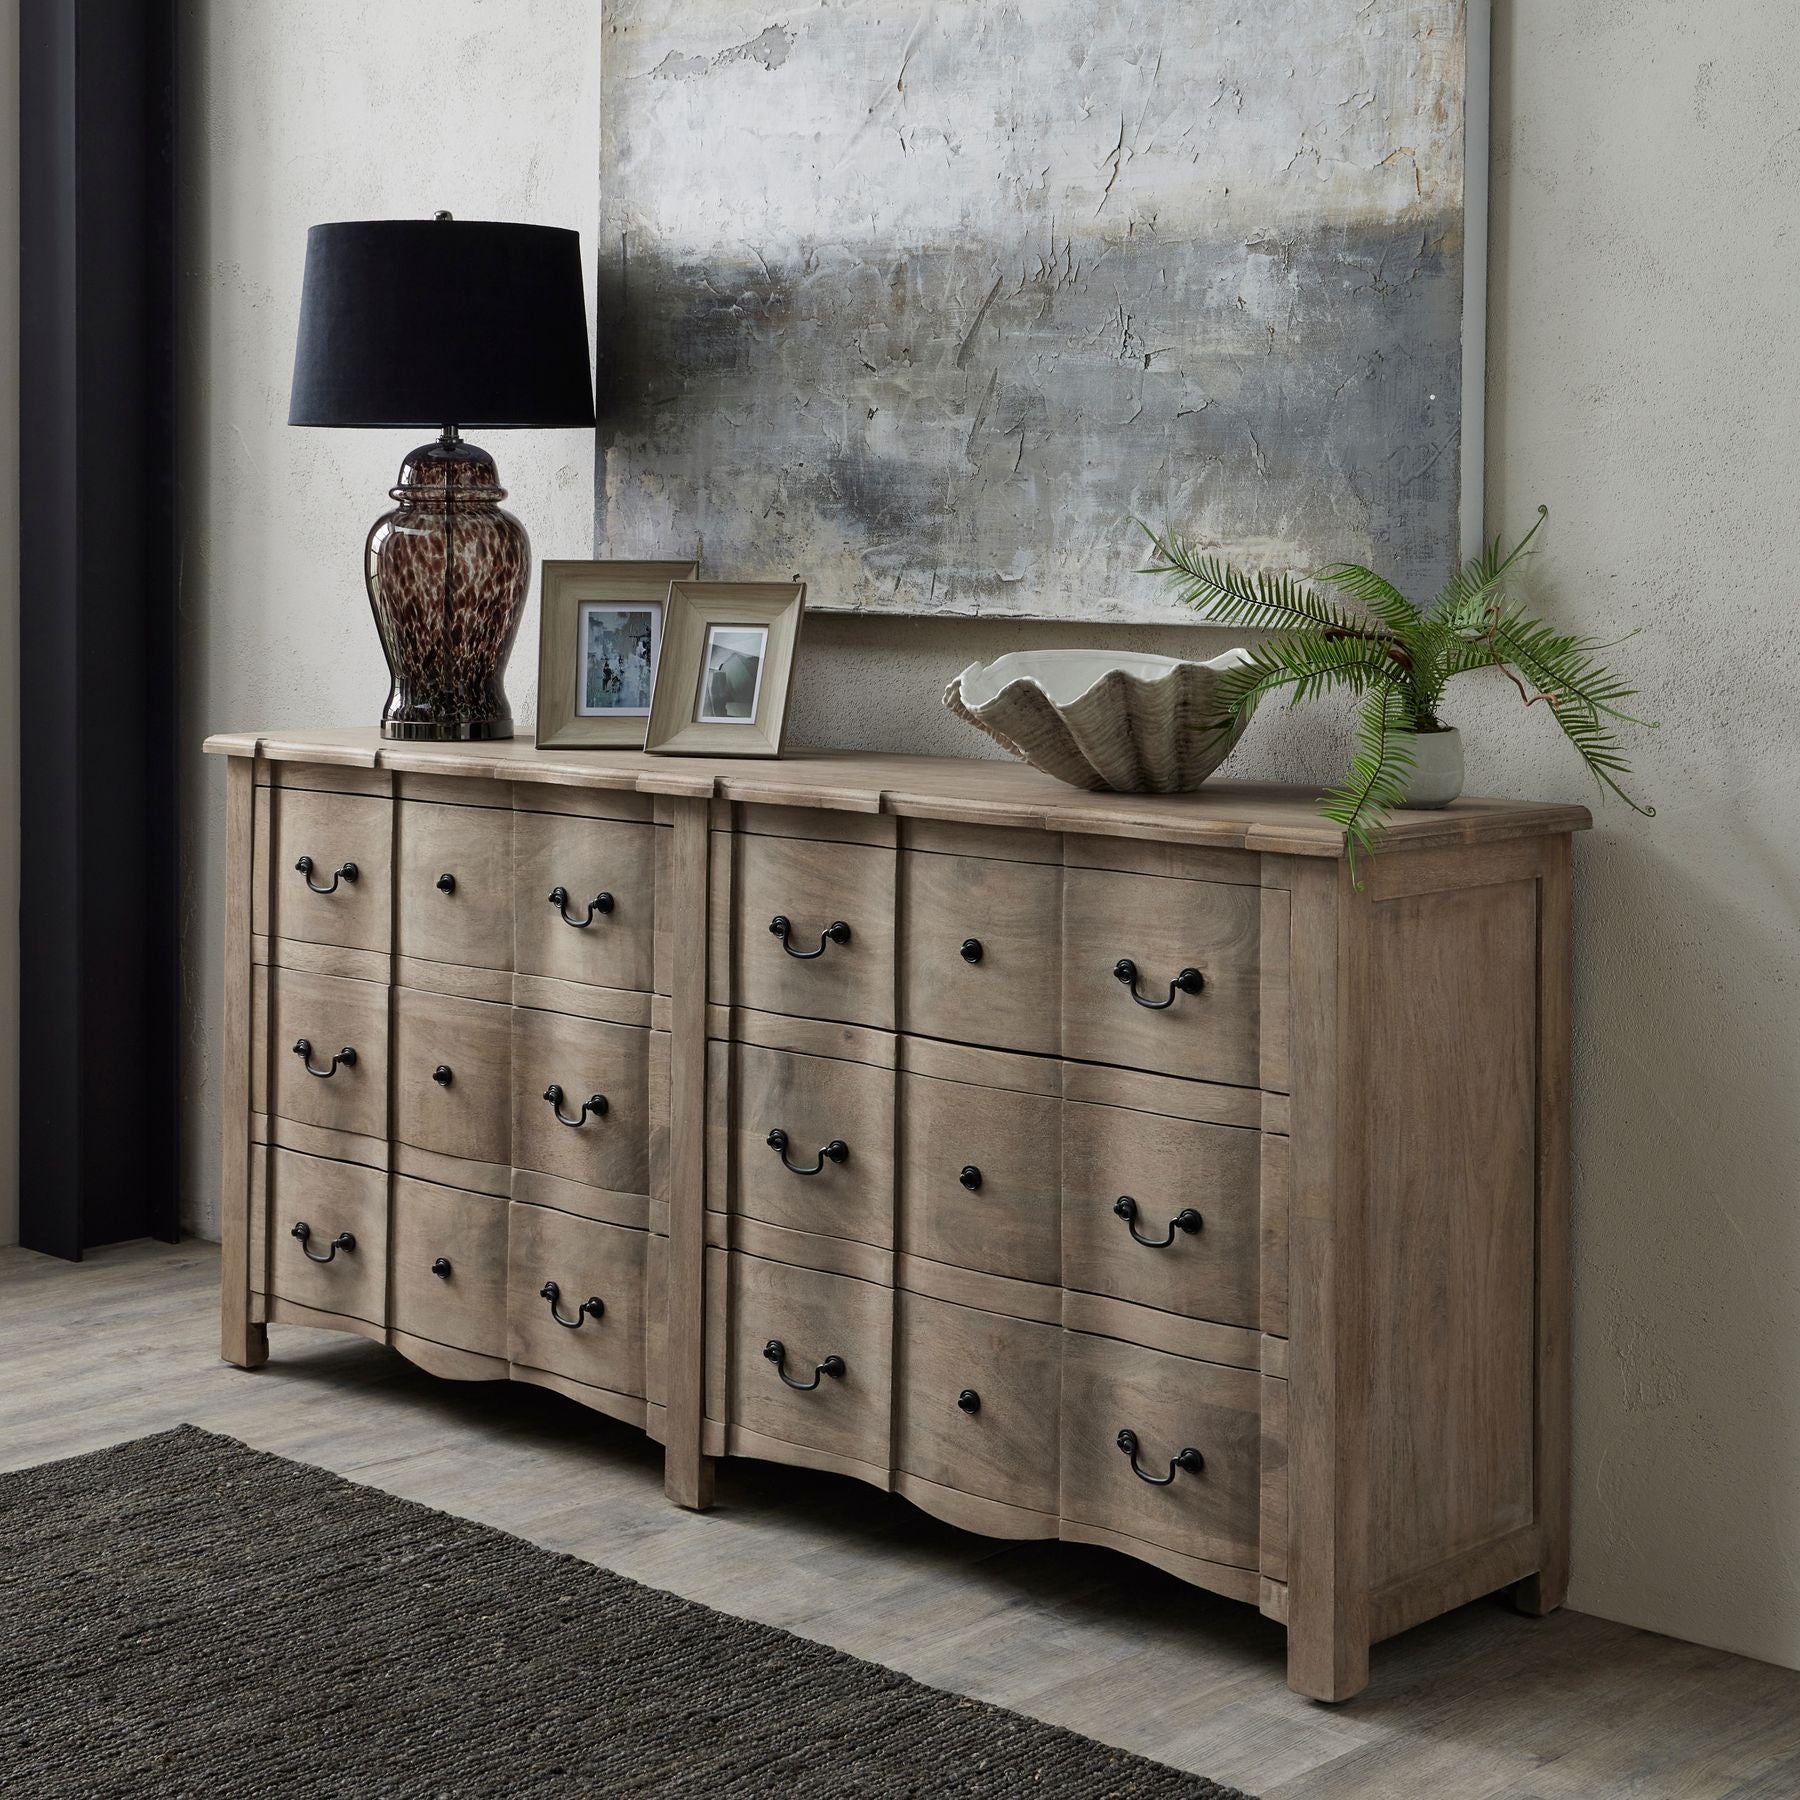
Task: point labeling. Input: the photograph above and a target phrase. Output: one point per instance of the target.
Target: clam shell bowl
(1102, 719)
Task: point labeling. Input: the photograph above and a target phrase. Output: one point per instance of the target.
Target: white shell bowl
(1101, 718)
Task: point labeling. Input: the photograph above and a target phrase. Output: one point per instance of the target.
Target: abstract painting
(927, 303)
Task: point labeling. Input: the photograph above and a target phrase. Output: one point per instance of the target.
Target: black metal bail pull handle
(776, 1351)
(1187, 981)
(345, 1058)
(344, 872)
(593, 1307)
(837, 932)
(594, 1103)
(1189, 1461)
(601, 903)
(1188, 1220)
(344, 1241)
(837, 1151)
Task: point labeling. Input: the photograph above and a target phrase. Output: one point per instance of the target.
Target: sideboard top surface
(1242, 815)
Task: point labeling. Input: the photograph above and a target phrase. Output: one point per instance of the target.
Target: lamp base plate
(447, 731)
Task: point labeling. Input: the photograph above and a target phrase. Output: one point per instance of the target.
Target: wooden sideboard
(1092, 1166)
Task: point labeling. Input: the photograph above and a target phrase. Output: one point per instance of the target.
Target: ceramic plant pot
(1100, 718)
(1437, 776)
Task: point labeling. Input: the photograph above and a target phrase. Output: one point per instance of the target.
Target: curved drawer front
(1162, 927)
(345, 842)
(814, 886)
(304, 1073)
(980, 950)
(976, 1401)
(830, 1168)
(1193, 1243)
(1172, 1405)
(448, 1253)
(566, 1134)
(599, 928)
(454, 884)
(842, 1412)
(307, 1207)
(453, 1086)
(564, 1332)
(980, 1170)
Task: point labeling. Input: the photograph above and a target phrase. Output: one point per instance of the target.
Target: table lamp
(437, 323)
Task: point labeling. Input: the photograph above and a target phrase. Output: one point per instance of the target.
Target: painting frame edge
(561, 725)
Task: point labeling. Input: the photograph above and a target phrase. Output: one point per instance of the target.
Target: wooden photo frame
(727, 669)
(601, 627)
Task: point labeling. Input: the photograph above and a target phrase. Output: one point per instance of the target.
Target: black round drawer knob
(441, 1268)
(970, 1177)
(446, 883)
(971, 950)
(442, 1075)
(969, 1400)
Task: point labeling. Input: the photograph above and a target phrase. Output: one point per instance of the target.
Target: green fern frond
(1223, 595)
(1379, 770)
(1307, 663)
(1560, 665)
(1470, 592)
(1378, 595)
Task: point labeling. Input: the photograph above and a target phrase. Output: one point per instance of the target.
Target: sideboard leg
(240, 1341)
(687, 1471)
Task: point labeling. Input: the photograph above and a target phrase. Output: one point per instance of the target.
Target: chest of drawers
(1087, 1166)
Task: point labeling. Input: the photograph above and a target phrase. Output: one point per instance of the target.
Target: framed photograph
(600, 638)
(727, 666)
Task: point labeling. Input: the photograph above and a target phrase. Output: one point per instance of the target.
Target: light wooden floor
(1478, 1706)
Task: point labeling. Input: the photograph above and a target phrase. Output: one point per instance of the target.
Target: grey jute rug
(182, 1616)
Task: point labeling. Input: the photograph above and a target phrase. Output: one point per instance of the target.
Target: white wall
(295, 114)
(1644, 361)
(9, 621)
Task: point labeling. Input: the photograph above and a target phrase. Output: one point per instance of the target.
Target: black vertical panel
(98, 943)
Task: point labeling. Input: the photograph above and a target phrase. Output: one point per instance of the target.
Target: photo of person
(619, 650)
(731, 681)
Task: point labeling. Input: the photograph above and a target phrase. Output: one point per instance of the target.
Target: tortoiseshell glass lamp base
(447, 571)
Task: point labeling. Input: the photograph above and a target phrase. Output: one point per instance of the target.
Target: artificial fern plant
(1398, 658)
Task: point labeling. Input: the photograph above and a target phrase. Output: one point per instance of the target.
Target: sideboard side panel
(240, 1340)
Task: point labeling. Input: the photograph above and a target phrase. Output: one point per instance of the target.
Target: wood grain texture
(469, 1043)
(329, 1198)
(582, 1058)
(463, 1307)
(240, 1341)
(1013, 1369)
(329, 1015)
(473, 922)
(585, 858)
(1010, 996)
(333, 831)
(586, 1260)
(1162, 926)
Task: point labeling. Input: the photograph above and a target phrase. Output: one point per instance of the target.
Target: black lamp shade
(435, 322)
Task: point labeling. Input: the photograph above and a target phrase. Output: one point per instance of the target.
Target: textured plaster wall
(9, 621)
(1644, 355)
(294, 114)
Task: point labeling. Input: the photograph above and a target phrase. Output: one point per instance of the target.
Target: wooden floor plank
(1480, 1705)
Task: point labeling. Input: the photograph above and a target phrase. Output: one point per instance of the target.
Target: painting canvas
(930, 303)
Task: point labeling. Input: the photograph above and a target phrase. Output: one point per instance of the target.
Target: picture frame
(601, 630)
(727, 668)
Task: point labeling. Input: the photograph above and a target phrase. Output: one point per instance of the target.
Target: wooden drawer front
(1163, 927)
(586, 1260)
(980, 951)
(469, 920)
(448, 1250)
(330, 1199)
(975, 1398)
(453, 1088)
(583, 1058)
(586, 859)
(824, 1109)
(1172, 1403)
(329, 1015)
(1166, 1167)
(348, 840)
(812, 1315)
(980, 1172)
(814, 886)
